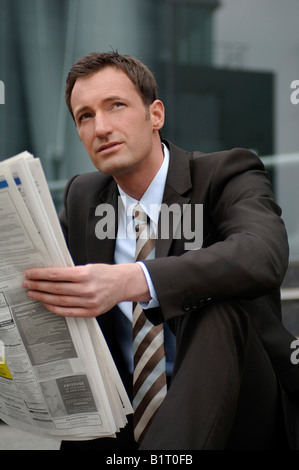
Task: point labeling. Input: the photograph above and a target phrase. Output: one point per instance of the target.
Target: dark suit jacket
(244, 254)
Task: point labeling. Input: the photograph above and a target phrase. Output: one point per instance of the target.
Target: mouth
(109, 147)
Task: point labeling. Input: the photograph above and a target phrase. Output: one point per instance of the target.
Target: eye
(84, 116)
(80, 118)
(117, 105)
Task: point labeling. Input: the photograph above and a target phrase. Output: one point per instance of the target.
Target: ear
(157, 114)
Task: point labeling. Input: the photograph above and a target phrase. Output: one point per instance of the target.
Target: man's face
(113, 123)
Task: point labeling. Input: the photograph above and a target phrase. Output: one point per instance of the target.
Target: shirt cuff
(154, 302)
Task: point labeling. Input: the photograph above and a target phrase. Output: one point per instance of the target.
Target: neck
(135, 183)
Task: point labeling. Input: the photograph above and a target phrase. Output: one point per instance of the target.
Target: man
(233, 385)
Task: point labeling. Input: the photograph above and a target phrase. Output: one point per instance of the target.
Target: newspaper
(57, 376)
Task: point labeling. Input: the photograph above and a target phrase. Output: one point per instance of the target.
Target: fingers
(51, 299)
(74, 274)
(76, 312)
(72, 281)
(67, 305)
(59, 288)
(70, 292)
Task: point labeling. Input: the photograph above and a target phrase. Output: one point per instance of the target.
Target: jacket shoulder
(86, 187)
(93, 179)
(233, 158)
(236, 157)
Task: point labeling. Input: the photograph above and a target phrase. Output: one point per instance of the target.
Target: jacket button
(195, 304)
(187, 306)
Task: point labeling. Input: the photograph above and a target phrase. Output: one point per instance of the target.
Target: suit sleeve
(248, 256)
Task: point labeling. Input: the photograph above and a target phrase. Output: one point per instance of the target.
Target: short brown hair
(138, 73)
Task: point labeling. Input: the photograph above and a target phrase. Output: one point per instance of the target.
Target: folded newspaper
(57, 376)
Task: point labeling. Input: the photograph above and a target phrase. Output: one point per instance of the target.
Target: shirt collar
(153, 196)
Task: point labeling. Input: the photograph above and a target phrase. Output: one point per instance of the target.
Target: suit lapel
(177, 187)
(102, 251)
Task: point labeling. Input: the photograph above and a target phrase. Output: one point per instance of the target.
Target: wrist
(133, 280)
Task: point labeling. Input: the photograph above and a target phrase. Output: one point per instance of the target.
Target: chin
(113, 168)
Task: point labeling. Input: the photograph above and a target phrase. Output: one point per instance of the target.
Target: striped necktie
(149, 377)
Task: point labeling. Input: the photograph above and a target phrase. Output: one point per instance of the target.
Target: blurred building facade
(40, 40)
(224, 69)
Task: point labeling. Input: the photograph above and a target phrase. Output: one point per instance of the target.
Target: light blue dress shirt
(125, 249)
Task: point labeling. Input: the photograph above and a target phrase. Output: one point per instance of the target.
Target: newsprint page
(57, 377)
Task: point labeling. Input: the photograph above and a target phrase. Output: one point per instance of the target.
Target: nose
(102, 125)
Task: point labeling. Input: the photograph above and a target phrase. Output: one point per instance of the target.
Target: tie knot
(145, 238)
(140, 216)
(141, 220)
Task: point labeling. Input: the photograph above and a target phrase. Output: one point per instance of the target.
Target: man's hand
(86, 291)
